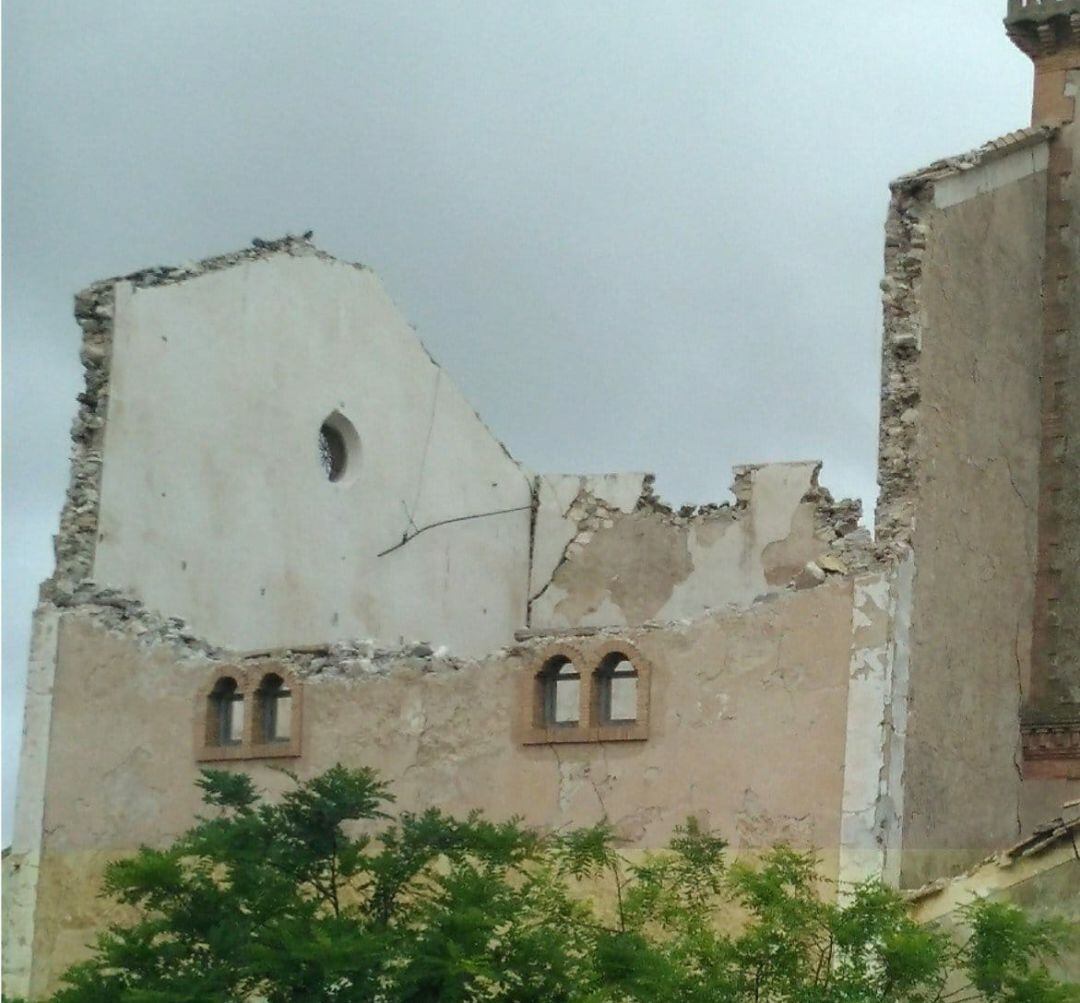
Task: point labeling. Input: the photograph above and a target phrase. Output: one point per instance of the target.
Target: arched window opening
(560, 693)
(225, 725)
(275, 709)
(617, 690)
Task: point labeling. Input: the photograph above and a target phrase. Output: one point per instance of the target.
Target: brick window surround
(250, 685)
(593, 662)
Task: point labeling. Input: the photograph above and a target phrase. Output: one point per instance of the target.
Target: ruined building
(322, 554)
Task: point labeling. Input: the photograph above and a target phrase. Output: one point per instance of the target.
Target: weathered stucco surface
(959, 470)
(872, 812)
(609, 554)
(772, 678)
(214, 506)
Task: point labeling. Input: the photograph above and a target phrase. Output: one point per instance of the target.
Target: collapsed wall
(198, 486)
(195, 541)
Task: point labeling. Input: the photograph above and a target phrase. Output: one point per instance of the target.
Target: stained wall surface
(214, 505)
(608, 554)
(774, 677)
(967, 347)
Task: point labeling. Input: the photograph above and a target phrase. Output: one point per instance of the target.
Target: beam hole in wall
(225, 717)
(616, 690)
(274, 701)
(560, 693)
(339, 448)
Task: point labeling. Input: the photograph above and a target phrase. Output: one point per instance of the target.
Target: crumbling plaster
(871, 823)
(609, 553)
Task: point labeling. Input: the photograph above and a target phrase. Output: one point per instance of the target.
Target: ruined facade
(330, 558)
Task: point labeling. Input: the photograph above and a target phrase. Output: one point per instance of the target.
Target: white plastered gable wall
(215, 507)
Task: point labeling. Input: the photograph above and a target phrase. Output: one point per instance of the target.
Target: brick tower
(1048, 31)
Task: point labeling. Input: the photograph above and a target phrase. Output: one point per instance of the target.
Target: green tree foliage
(323, 896)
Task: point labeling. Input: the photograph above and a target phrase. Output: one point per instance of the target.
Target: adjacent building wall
(959, 476)
(1041, 875)
(214, 506)
(774, 677)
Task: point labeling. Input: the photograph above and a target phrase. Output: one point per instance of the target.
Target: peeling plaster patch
(875, 590)
(784, 559)
(633, 828)
(896, 720)
(635, 564)
(755, 827)
(611, 567)
(571, 782)
(777, 490)
(872, 809)
(570, 509)
(717, 552)
(868, 663)
(607, 612)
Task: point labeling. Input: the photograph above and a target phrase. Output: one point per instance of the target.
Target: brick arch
(249, 679)
(601, 656)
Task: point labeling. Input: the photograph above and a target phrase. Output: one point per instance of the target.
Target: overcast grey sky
(639, 235)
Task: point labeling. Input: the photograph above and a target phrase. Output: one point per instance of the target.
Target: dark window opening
(275, 710)
(332, 452)
(226, 720)
(617, 690)
(560, 693)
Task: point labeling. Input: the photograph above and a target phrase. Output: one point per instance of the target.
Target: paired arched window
(592, 695)
(246, 713)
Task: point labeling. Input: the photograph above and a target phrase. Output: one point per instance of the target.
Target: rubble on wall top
(120, 613)
(947, 167)
(844, 514)
(291, 244)
(360, 658)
